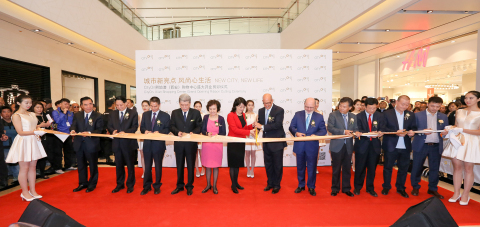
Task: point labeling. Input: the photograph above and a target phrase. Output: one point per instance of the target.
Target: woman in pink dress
(212, 153)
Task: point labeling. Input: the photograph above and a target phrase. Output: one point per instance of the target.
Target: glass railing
(214, 26)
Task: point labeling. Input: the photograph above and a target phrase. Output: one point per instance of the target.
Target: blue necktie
(153, 120)
(121, 118)
(185, 116)
(266, 116)
(308, 121)
(346, 124)
(86, 121)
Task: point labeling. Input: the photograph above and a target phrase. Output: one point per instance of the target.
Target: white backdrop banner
(290, 76)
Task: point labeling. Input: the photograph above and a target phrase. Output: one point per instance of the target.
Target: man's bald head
(309, 105)
(267, 101)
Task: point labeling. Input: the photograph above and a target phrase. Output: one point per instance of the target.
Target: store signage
(416, 59)
(430, 92)
(9, 94)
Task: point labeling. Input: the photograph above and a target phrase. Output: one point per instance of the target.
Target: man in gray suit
(342, 122)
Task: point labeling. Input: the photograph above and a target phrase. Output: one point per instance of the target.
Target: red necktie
(370, 124)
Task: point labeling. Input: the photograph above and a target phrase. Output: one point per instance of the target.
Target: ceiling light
(69, 43)
(453, 41)
(358, 43)
(93, 52)
(466, 12)
(110, 59)
(37, 30)
(387, 30)
(396, 75)
(429, 11)
(398, 56)
(339, 52)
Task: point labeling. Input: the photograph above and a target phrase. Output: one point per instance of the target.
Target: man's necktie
(308, 121)
(86, 120)
(266, 116)
(185, 116)
(121, 118)
(370, 124)
(345, 120)
(153, 120)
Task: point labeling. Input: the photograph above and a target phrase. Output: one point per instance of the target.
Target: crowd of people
(27, 149)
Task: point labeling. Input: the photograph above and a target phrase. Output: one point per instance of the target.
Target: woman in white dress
(145, 108)
(250, 148)
(26, 148)
(198, 106)
(467, 122)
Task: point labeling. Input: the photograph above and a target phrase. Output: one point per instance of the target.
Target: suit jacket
(274, 126)
(94, 125)
(162, 125)
(336, 126)
(235, 128)
(379, 110)
(193, 124)
(361, 145)
(128, 125)
(221, 121)
(391, 125)
(421, 121)
(316, 127)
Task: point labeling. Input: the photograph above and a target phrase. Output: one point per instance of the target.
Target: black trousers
(402, 157)
(180, 156)
(3, 168)
(150, 156)
(365, 163)
(434, 159)
(273, 166)
(341, 165)
(68, 153)
(85, 159)
(125, 156)
(41, 163)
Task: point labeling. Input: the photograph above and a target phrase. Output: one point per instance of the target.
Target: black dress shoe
(372, 193)
(415, 192)
(206, 189)
(349, 193)
(402, 193)
(90, 189)
(240, 187)
(81, 187)
(177, 190)
(385, 191)
(435, 193)
(156, 191)
(144, 191)
(234, 190)
(189, 191)
(356, 191)
(299, 189)
(267, 188)
(130, 190)
(215, 191)
(117, 189)
(334, 193)
(312, 191)
(275, 190)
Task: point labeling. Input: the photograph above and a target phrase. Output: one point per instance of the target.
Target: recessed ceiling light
(69, 43)
(453, 41)
(396, 75)
(429, 11)
(110, 59)
(358, 43)
(424, 48)
(37, 30)
(387, 30)
(93, 52)
(339, 52)
(466, 12)
(398, 56)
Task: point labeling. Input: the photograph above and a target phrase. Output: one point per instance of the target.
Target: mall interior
(381, 49)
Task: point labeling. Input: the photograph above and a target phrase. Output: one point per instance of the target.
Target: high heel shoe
(197, 174)
(206, 189)
(252, 175)
(25, 199)
(454, 200)
(36, 197)
(203, 172)
(465, 203)
(215, 191)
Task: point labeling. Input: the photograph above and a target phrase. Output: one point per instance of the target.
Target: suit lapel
(340, 118)
(397, 127)
(189, 116)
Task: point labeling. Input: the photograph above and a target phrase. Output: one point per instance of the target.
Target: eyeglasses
(75, 107)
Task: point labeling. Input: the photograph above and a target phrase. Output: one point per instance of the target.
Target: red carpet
(251, 207)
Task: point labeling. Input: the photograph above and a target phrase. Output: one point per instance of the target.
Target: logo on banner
(251, 56)
(269, 68)
(288, 89)
(253, 67)
(300, 102)
(270, 56)
(167, 56)
(303, 90)
(286, 122)
(303, 68)
(235, 56)
(183, 56)
(218, 56)
(288, 67)
(320, 79)
(320, 90)
(148, 57)
(320, 68)
(286, 78)
(236, 67)
(217, 68)
(305, 56)
(200, 56)
(200, 67)
(286, 101)
(304, 79)
(287, 56)
(147, 69)
(269, 89)
(165, 68)
(183, 67)
(320, 57)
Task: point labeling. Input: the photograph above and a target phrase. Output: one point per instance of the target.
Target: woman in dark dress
(237, 127)
(37, 108)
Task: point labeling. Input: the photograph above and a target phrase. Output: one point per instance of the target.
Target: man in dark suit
(428, 144)
(342, 122)
(85, 122)
(397, 147)
(307, 123)
(121, 121)
(184, 121)
(131, 105)
(367, 150)
(270, 119)
(154, 121)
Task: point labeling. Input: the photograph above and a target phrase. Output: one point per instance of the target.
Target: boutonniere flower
(313, 123)
(440, 121)
(159, 122)
(407, 116)
(270, 119)
(217, 124)
(90, 122)
(375, 123)
(126, 116)
(352, 121)
(192, 120)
